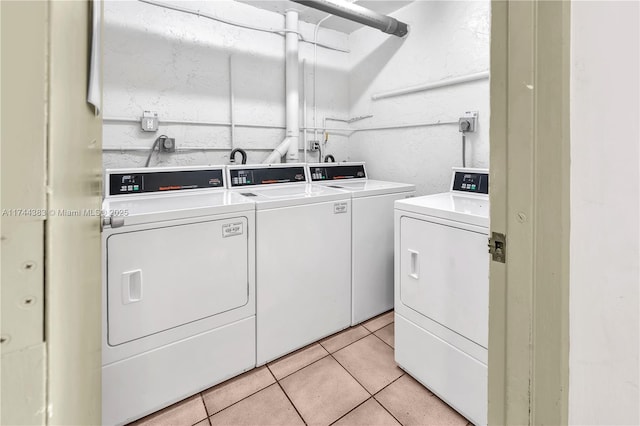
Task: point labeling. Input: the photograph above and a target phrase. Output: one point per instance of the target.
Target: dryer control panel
(333, 171)
(470, 181)
(139, 182)
(252, 176)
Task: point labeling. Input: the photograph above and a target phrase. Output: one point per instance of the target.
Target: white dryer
(303, 256)
(371, 233)
(442, 291)
(178, 287)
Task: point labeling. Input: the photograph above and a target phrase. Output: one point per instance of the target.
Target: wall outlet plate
(168, 145)
(149, 121)
(467, 123)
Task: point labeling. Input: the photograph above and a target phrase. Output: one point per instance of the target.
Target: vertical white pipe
(292, 84)
(232, 103)
(304, 108)
(315, 85)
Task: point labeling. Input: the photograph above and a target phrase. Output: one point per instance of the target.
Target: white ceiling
(312, 16)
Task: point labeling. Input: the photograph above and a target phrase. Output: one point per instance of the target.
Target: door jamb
(529, 295)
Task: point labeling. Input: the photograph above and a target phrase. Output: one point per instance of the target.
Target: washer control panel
(252, 176)
(470, 181)
(336, 172)
(134, 182)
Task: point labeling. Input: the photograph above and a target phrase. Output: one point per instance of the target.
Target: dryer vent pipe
(356, 13)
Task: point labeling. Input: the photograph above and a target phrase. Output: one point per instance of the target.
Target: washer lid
(146, 209)
(367, 187)
(292, 195)
(470, 209)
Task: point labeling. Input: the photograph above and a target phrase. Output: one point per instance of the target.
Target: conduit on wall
(433, 85)
(292, 66)
(356, 13)
(201, 14)
(289, 145)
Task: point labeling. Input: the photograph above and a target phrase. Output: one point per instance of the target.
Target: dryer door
(444, 275)
(162, 278)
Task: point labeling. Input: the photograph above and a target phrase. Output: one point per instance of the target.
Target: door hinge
(498, 247)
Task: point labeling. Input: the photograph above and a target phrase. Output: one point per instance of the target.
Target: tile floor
(349, 378)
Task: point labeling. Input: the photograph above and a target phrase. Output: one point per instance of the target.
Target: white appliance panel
(454, 376)
(165, 277)
(443, 277)
(149, 381)
(372, 233)
(303, 267)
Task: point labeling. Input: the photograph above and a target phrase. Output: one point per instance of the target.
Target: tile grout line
(383, 340)
(349, 373)
(347, 413)
(301, 368)
(354, 378)
(206, 410)
(371, 396)
(380, 402)
(248, 396)
(290, 401)
(357, 340)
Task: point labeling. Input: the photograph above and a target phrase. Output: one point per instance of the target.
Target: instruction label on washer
(231, 229)
(340, 208)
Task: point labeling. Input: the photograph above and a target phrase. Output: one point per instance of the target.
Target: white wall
(178, 65)
(603, 378)
(446, 39)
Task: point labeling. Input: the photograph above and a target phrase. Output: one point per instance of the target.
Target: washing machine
(442, 291)
(303, 256)
(178, 287)
(371, 233)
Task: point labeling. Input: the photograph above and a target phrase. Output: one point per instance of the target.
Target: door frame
(529, 192)
(52, 164)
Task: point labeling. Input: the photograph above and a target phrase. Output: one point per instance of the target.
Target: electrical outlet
(467, 123)
(168, 145)
(314, 146)
(149, 121)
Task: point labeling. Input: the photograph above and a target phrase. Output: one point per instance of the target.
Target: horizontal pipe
(428, 86)
(270, 126)
(200, 14)
(213, 123)
(356, 13)
(404, 126)
(284, 145)
(178, 149)
(194, 123)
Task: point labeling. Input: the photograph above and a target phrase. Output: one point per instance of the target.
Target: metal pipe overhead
(356, 13)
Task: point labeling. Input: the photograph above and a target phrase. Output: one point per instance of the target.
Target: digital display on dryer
(471, 182)
(177, 180)
(337, 172)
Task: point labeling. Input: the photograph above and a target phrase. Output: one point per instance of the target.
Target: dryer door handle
(131, 286)
(414, 264)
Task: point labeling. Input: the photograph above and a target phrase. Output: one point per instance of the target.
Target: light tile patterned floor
(349, 378)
